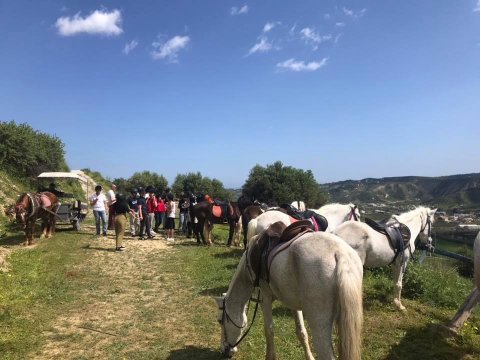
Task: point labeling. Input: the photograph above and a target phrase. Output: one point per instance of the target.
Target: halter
(353, 213)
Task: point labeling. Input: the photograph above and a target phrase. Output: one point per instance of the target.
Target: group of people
(146, 210)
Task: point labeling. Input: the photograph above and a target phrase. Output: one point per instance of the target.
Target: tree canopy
(198, 184)
(143, 179)
(283, 184)
(28, 152)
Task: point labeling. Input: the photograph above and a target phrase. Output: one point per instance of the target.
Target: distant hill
(445, 191)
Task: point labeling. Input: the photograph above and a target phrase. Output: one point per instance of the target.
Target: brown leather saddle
(270, 243)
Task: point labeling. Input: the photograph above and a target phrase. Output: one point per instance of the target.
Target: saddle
(222, 210)
(398, 234)
(270, 243)
(319, 222)
(44, 201)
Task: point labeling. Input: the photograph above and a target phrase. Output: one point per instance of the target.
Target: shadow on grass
(427, 342)
(233, 253)
(193, 352)
(14, 240)
(218, 291)
(281, 311)
(88, 247)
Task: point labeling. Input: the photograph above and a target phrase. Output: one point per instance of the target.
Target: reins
(353, 213)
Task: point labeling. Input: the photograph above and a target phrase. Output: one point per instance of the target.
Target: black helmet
(141, 190)
(98, 187)
(134, 191)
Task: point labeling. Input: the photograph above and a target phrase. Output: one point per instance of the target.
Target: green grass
(157, 304)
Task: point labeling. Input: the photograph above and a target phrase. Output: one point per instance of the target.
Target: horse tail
(349, 273)
(476, 260)
(252, 229)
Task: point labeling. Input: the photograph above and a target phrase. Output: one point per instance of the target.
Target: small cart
(71, 211)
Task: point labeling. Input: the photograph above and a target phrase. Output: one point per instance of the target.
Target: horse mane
(331, 205)
(409, 215)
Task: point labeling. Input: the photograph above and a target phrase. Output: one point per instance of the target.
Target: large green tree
(147, 178)
(198, 184)
(28, 152)
(283, 184)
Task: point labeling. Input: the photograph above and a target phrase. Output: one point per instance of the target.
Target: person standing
(120, 209)
(134, 217)
(159, 213)
(111, 200)
(151, 206)
(99, 205)
(191, 217)
(170, 211)
(143, 215)
(184, 205)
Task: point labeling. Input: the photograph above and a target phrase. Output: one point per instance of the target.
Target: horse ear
(432, 212)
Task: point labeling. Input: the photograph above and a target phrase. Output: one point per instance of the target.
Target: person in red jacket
(151, 206)
(159, 212)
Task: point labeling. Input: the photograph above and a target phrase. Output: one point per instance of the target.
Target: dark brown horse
(208, 214)
(249, 213)
(30, 207)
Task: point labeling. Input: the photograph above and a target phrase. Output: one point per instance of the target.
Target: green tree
(148, 178)
(198, 184)
(28, 152)
(283, 184)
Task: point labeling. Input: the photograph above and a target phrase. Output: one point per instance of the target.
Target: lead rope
(257, 301)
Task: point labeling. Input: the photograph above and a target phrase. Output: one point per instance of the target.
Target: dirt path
(123, 293)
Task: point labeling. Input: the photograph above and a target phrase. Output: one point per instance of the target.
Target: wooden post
(465, 310)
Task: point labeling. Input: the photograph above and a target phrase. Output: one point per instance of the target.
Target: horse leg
(43, 233)
(398, 271)
(268, 326)
(302, 334)
(230, 232)
(321, 325)
(30, 232)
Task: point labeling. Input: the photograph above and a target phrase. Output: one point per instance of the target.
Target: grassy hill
(445, 191)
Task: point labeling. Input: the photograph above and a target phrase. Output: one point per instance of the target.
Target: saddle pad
(45, 201)
(217, 211)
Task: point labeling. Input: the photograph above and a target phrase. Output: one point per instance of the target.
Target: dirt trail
(124, 292)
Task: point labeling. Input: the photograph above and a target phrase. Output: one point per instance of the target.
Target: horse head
(231, 332)
(21, 208)
(428, 217)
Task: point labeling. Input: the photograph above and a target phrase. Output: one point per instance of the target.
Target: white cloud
(239, 11)
(340, 24)
(262, 46)
(337, 38)
(297, 66)
(327, 16)
(98, 22)
(354, 14)
(310, 36)
(130, 46)
(269, 26)
(477, 8)
(169, 49)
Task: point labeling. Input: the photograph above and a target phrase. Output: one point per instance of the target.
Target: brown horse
(249, 213)
(208, 214)
(30, 207)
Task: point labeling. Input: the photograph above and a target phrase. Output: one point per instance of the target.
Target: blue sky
(348, 89)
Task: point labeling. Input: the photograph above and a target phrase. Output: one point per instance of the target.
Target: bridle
(226, 317)
(429, 231)
(353, 213)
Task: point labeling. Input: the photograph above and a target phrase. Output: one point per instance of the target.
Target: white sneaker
(170, 240)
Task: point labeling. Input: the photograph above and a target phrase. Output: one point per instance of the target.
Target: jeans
(134, 224)
(145, 225)
(158, 220)
(182, 219)
(100, 215)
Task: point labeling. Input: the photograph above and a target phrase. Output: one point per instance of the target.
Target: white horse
(374, 248)
(299, 205)
(335, 214)
(319, 275)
